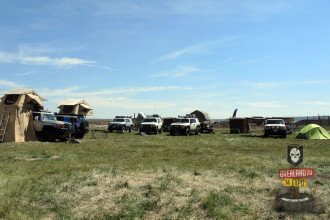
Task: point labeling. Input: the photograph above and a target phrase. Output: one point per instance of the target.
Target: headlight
(59, 125)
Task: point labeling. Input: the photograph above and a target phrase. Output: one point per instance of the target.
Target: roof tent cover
(75, 107)
(201, 115)
(20, 103)
(313, 132)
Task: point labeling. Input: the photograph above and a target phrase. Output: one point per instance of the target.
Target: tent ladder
(3, 124)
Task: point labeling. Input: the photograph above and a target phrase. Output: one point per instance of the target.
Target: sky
(264, 58)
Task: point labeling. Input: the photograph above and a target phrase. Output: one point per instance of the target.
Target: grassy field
(125, 176)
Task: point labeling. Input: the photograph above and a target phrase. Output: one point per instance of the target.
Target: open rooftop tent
(18, 104)
(201, 115)
(313, 132)
(75, 107)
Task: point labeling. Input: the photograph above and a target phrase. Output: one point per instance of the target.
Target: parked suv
(121, 123)
(79, 122)
(275, 127)
(185, 125)
(152, 123)
(49, 129)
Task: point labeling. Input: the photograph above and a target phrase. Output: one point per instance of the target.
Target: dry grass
(128, 176)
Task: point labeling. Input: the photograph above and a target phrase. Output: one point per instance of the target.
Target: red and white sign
(296, 173)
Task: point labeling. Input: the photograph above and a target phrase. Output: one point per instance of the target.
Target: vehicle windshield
(149, 120)
(118, 120)
(184, 120)
(46, 117)
(274, 122)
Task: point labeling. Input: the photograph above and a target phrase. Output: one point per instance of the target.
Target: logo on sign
(295, 155)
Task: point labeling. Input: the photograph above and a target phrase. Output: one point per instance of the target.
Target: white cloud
(24, 74)
(320, 103)
(42, 60)
(177, 72)
(278, 84)
(74, 91)
(7, 83)
(179, 53)
(264, 104)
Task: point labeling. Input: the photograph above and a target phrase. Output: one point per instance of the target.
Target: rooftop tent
(75, 107)
(20, 103)
(314, 132)
(201, 115)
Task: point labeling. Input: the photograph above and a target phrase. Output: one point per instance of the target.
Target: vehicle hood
(179, 124)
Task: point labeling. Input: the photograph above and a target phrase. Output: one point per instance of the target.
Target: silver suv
(121, 123)
(48, 128)
(275, 126)
(152, 123)
(185, 125)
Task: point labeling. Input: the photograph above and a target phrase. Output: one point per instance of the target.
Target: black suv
(79, 122)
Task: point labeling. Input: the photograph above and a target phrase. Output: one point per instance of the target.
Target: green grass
(125, 176)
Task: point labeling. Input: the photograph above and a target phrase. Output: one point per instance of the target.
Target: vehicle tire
(198, 131)
(172, 133)
(156, 131)
(49, 134)
(161, 130)
(187, 131)
(84, 126)
(284, 135)
(123, 129)
(110, 130)
(130, 129)
(266, 134)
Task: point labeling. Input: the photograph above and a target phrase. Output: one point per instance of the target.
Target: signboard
(295, 155)
(295, 182)
(296, 173)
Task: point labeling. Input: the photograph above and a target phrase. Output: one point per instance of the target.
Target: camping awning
(23, 91)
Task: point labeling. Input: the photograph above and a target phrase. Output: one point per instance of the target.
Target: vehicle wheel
(198, 131)
(161, 130)
(110, 130)
(171, 133)
(84, 126)
(130, 129)
(49, 135)
(266, 134)
(156, 131)
(187, 132)
(123, 129)
(284, 135)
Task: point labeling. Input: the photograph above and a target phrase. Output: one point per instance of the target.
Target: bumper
(178, 130)
(148, 129)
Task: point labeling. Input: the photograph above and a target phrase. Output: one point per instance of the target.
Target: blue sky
(266, 58)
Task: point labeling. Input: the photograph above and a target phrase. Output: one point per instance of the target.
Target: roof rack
(187, 116)
(153, 116)
(123, 117)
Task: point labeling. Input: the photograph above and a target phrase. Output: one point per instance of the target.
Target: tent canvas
(75, 107)
(20, 102)
(314, 132)
(201, 115)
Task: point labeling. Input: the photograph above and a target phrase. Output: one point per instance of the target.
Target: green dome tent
(313, 131)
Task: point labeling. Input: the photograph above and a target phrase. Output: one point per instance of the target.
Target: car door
(192, 124)
(37, 123)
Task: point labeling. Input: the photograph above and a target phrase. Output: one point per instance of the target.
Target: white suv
(275, 126)
(151, 124)
(121, 123)
(185, 125)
